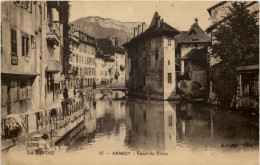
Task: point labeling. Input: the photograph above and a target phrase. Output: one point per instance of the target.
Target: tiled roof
(194, 35)
(164, 27)
(155, 30)
(195, 54)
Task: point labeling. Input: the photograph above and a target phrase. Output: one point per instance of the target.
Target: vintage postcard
(129, 82)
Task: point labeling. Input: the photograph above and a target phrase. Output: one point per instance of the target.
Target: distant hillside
(102, 27)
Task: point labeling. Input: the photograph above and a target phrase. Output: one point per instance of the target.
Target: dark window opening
(25, 45)
(13, 42)
(169, 78)
(156, 54)
(144, 80)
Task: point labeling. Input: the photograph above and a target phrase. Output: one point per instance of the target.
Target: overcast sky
(178, 14)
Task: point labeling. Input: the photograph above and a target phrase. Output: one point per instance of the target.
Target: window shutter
(20, 93)
(4, 94)
(29, 90)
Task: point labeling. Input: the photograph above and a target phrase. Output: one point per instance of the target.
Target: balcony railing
(53, 34)
(43, 118)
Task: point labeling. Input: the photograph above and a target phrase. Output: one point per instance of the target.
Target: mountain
(99, 27)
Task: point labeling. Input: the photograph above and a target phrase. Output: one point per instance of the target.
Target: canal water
(135, 131)
(146, 127)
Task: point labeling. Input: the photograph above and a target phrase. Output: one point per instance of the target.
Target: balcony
(53, 34)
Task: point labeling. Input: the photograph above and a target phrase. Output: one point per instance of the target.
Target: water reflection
(161, 125)
(151, 125)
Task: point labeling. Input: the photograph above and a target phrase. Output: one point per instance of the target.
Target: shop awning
(53, 66)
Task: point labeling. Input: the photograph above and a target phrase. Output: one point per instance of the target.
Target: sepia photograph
(129, 82)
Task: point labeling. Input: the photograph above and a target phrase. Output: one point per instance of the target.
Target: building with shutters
(32, 41)
(191, 61)
(150, 60)
(113, 58)
(82, 59)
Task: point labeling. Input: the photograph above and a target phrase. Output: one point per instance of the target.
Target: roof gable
(195, 34)
(196, 54)
(154, 20)
(157, 28)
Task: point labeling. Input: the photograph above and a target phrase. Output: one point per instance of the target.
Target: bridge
(104, 89)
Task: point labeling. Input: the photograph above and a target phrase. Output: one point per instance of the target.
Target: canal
(152, 130)
(116, 127)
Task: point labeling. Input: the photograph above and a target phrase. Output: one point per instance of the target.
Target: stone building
(113, 56)
(248, 71)
(31, 55)
(150, 60)
(191, 60)
(119, 65)
(100, 70)
(51, 67)
(20, 57)
(82, 59)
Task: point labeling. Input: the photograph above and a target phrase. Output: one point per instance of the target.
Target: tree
(64, 15)
(237, 43)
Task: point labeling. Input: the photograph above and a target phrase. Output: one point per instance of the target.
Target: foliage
(195, 87)
(237, 43)
(64, 15)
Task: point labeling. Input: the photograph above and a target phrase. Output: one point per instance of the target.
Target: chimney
(143, 27)
(134, 31)
(138, 29)
(158, 21)
(196, 20)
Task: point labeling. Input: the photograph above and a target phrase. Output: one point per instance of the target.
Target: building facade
(20, 69)
(82, 59)
(191, 60)
(31, 55)
(112, 57)
(150, 60)
(52, 56)
(119, 67)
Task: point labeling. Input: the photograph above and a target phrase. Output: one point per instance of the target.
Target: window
(186, 66)
(25, 45)
(32, 42)
(169, 42)
(170, 121)
(144, 80)
(169, 78)
(156, 54)
(144, 115)
(169, 63)
(27, 5)
(13, 42)
(195, 45)
(50, 82)
(4, 93)
(144, 62)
